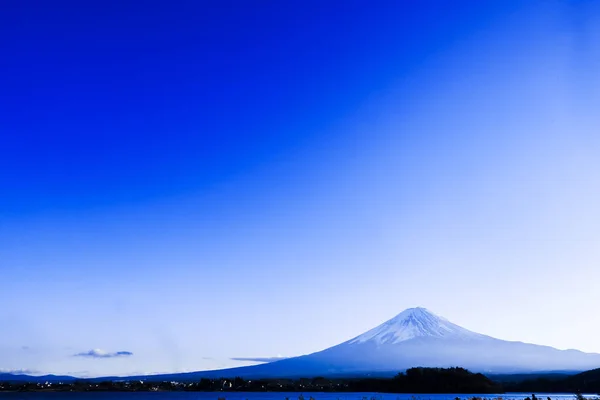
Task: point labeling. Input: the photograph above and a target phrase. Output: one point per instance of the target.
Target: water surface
(267, 396)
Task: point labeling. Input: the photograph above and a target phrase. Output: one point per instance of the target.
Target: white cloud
(99, 353)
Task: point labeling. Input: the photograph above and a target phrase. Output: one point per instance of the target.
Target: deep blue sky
(119, 102)
(183, 180)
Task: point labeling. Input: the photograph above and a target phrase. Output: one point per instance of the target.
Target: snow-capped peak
(413, 323)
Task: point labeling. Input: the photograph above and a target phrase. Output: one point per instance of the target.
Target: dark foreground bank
(414, 380)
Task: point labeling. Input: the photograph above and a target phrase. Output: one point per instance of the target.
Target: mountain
(14, 378)
(415, 337)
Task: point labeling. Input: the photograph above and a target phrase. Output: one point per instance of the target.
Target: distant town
(414, 380)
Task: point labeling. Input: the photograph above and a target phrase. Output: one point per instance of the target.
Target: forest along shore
(414, 380)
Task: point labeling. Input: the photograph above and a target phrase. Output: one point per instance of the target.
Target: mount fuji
(417, 338)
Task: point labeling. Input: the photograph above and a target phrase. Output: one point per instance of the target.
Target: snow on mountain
(413, 323)
(416, 338)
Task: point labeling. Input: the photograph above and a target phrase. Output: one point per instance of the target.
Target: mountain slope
(416, 337)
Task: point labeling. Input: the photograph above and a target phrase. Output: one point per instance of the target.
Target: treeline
(415, 380)
(443, 380)
(585, 382)
(429, 380)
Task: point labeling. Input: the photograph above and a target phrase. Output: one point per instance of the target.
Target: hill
(6, 377)
(585, 382)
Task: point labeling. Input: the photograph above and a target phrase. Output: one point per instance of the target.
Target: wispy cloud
(98, 353)
(258, 359)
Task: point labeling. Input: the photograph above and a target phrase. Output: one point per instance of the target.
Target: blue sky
(184, 185)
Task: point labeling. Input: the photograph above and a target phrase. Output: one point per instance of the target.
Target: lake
(265, 396)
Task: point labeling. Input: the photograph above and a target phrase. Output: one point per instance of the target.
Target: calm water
(268, 396)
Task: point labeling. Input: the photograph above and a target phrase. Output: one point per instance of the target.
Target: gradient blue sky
(194, 181)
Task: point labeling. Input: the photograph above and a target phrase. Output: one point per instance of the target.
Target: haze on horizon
(185, 185)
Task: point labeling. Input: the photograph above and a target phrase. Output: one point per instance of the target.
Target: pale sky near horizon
(193, 184)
